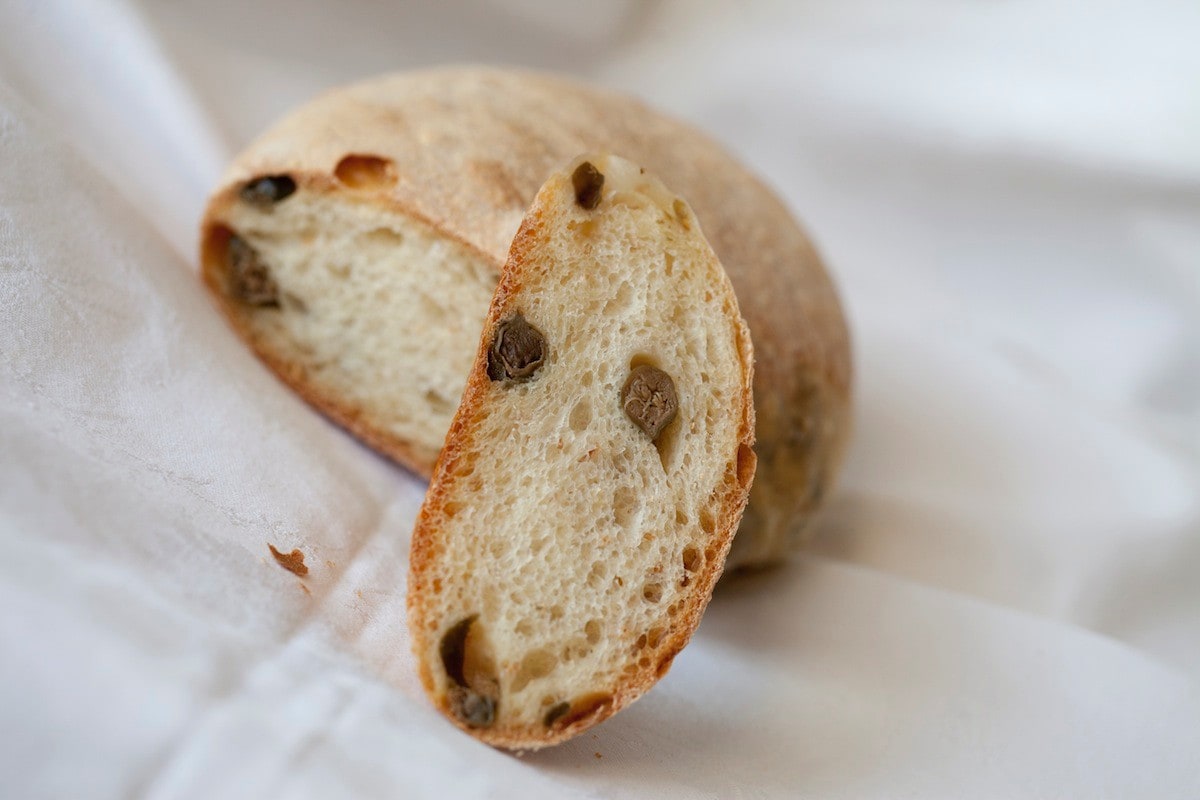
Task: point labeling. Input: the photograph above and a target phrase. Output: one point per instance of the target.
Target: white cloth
(1004, 598)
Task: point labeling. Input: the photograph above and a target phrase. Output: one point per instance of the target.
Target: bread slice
(368, 229)
(594, 475)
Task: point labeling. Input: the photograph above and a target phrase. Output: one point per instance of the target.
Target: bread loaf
(596, 470)
(356, 246)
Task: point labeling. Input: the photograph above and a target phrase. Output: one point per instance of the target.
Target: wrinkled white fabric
(1003, 599)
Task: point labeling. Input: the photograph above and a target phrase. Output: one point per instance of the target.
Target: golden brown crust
(731, 496)
(468, 149)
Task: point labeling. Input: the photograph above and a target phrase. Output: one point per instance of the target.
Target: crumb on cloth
(293, 562)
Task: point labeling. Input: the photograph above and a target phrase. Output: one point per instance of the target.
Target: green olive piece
(517, 352)
(649, 399)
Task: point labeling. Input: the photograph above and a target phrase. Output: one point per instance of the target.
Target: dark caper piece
(649, 399)
(473, 708)
(268, 190)
(251, 280)
(517, 350)
(588, 182)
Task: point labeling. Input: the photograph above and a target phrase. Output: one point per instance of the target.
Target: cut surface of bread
(370, 225)
(591, 482)
(361, 306)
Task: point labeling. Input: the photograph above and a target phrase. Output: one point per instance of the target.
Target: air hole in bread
(631, 200)
(535, 665)
(652, 592)
(478, 668)
(669, 265)
(626, 505)
(707, 523)
(619, 301)
(585, 228)
(360, 171)
(654, 637)
(692, 559)
(643, 359)
(746, 461)
(385, 237)
(664, 666)
(581, 415)
(592, 630)
(582, 648)
(595, 578)
(666, 445)
(497, 548)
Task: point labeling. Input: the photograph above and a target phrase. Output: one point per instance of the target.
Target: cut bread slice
(596, 470)
(356, 246)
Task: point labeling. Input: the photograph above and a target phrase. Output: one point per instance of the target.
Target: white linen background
(1004, 596)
